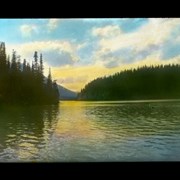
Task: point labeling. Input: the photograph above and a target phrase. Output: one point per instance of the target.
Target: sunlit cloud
(56, 53)
(152, 33)
(117, 47)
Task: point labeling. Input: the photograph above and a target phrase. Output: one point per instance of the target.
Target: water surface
(77, 131)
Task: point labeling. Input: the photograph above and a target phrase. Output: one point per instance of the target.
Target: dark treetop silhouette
(159, 82)
(21, 83)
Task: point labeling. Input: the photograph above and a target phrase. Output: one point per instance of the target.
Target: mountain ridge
(66, 94)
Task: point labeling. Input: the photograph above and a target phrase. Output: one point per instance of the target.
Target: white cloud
(54, 52)
(27, 30)
(30, 47)
(154, 32)
(52, 24)
(113, 39)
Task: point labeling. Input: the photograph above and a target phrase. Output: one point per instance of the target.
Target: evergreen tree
(28, 68)
(35, 61)
(49, 79)
(3, 72)
(24, 66)
(41, 70)
(13, 62)
(22, 84)
(8, 63)
(19, 63)
(2, 57)
(41, 64)
(33, 68)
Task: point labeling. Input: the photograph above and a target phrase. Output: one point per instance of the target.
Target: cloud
(117, 47)
(153, 33)
(43, 26)
(27, 30)
(55, 53)
(52, 24)
(62, 58)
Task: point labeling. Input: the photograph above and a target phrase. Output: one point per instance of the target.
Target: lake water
(76, 131)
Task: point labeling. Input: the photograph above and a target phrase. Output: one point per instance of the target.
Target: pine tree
(33, 68)
(36, 64)
(41, 64)
(8, 63)
(2, 70)
(22, 84)
(24, 66)
(19, 63)
(28, 68)
(2, 56)
(49, 83)
(13, 62)
(41, 70)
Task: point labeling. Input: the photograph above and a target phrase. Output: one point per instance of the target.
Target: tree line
(154, 82)
(22, 83)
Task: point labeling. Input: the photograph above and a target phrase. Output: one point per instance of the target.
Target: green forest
(22, 83)
(154, 82)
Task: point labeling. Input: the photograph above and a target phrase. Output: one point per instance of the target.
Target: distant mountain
(66, 94)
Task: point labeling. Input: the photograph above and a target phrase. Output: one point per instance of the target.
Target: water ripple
(92, 131)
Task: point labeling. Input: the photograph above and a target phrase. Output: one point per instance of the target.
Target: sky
(80, 50)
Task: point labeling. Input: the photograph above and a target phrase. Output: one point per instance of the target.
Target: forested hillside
(155, 82)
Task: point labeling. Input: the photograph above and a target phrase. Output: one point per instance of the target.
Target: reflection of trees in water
(27, 124)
